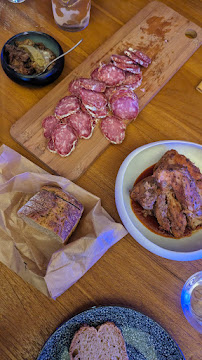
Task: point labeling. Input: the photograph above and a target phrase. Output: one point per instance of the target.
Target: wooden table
(127, 274)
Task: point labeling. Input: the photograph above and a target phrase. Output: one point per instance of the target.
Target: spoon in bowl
(46, 67)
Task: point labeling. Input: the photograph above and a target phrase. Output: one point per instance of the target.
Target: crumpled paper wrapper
(50, 266)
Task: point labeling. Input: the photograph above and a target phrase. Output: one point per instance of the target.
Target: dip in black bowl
(43, 44)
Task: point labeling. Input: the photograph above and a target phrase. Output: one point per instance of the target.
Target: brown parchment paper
(45, 263)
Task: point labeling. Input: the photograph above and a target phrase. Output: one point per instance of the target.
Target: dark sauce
(145, 173)
(150, 221)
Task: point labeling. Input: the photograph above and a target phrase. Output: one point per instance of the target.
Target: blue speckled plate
(145, 339)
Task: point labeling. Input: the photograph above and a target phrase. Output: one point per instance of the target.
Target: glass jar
(71, 15)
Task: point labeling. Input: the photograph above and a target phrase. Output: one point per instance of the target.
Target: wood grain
(127, 274)
(157, 30)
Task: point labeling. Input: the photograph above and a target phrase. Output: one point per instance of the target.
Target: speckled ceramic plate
(145, 339)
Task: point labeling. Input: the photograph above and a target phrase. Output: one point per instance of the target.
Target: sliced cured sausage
(133, 68)
(86, 111)
(124, 107)
(64, 139)
(92, 100)
(51, 146)
(121, 91)
(89, 84)
(67, 106)
(81, 123)
(138, 57)
(141, 55)
(74, 87)
(95, 114)
(110, 75)
(121, 59)
(99, 113)
(94, 74)
(94, 85)
(48, 124)
(109, 92)
(118, 91)
(113, 129)
(133, 80)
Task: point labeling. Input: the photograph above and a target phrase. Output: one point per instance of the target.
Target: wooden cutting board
(157, 30)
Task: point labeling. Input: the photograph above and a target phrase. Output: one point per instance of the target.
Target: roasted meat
(145, 192)
(161, 211)
(173, 193)
(185, 189)
(177, 218)
(172, 157)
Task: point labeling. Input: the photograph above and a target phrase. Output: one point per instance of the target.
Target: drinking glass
(191, 300)
(16, 1)
(71, 15)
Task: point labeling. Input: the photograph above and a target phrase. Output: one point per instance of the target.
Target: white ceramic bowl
(187, 248)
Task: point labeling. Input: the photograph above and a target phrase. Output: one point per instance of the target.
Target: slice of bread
(54, 212)
(104, 343)
(85, 344)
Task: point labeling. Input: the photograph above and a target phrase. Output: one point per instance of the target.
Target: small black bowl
(43, 79)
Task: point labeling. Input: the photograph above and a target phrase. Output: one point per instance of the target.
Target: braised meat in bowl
(173, 194)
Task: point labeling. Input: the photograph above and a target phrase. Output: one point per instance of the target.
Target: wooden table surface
(127, 274)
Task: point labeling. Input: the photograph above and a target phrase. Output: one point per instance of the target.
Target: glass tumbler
(16, 1)
(71, 15)
(191, 300)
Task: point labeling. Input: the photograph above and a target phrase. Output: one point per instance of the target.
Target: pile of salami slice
(108, 96)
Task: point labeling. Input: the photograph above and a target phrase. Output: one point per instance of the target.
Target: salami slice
(109, 92)
(113, 129)
(138, 57)
(99, 113)
(51, 146)
(133, 80)
(121, 59)
(133, 68)
(67, 106)
(84, 109)
(64, 139)
(82, 124)
(48, 124)
(87, 111)
(121, 91)
(110, 75)
(141, 55)
(94, 74)
(92, 100)
(126, 90)
(74, 87)
(124, 107)
(93, 119)
(89, 84)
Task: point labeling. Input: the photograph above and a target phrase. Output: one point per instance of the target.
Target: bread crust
(63, 195)
(53, 210)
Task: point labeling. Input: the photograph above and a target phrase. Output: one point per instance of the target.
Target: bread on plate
(104, 343)
(53, 211)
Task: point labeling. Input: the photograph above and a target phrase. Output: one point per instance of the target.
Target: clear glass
(191, 300)
(16, 1)
(71, 15)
